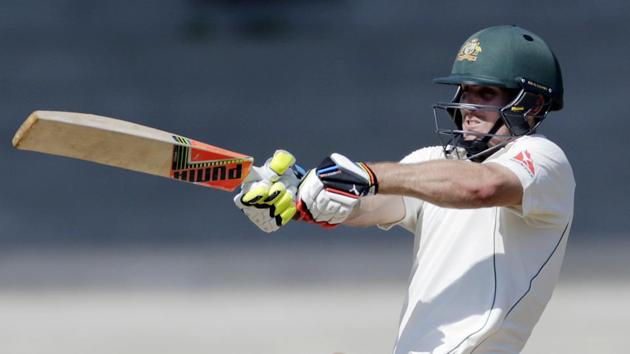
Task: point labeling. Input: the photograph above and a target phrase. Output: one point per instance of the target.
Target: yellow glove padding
(272, 192)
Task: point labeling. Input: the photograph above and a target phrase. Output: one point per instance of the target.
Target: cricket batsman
(491, 209)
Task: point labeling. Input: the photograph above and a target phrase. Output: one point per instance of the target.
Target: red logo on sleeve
(525, 159)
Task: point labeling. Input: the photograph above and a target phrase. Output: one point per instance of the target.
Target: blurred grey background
(133, 263)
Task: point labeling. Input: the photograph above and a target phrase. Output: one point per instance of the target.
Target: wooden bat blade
(131, 146)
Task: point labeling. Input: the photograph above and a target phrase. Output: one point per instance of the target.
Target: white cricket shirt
(481, 278)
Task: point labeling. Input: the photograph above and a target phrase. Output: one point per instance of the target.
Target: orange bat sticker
(208, 165)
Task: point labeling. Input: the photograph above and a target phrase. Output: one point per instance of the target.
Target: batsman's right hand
(329, 193)
(268, 196)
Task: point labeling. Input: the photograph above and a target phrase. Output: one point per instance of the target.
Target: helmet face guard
(528, 103)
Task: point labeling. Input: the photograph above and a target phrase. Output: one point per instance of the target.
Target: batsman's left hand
(329, 193)
(268, 195)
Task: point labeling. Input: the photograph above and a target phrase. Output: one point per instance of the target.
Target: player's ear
(538, 106)
(533, 116)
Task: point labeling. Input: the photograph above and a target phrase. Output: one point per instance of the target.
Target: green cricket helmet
(508, 57)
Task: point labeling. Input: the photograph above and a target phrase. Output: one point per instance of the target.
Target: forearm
(448, 183)
(377, 210)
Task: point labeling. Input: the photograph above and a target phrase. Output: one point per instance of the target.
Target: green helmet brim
(459, 79)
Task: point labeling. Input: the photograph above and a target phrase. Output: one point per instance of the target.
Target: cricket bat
(131, 146)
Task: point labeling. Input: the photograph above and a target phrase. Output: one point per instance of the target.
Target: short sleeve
(546, 177)
(413, 206)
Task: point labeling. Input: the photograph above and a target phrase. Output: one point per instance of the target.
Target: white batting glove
(329, 193)
(268, 195)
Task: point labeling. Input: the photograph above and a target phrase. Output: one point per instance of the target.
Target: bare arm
(377, 210)
(449, 183)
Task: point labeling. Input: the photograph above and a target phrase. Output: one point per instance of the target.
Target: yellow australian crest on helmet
(470, 50)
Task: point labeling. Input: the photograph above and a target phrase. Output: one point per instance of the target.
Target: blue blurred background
(312, 77)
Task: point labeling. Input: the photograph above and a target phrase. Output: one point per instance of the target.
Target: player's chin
(496, 141)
